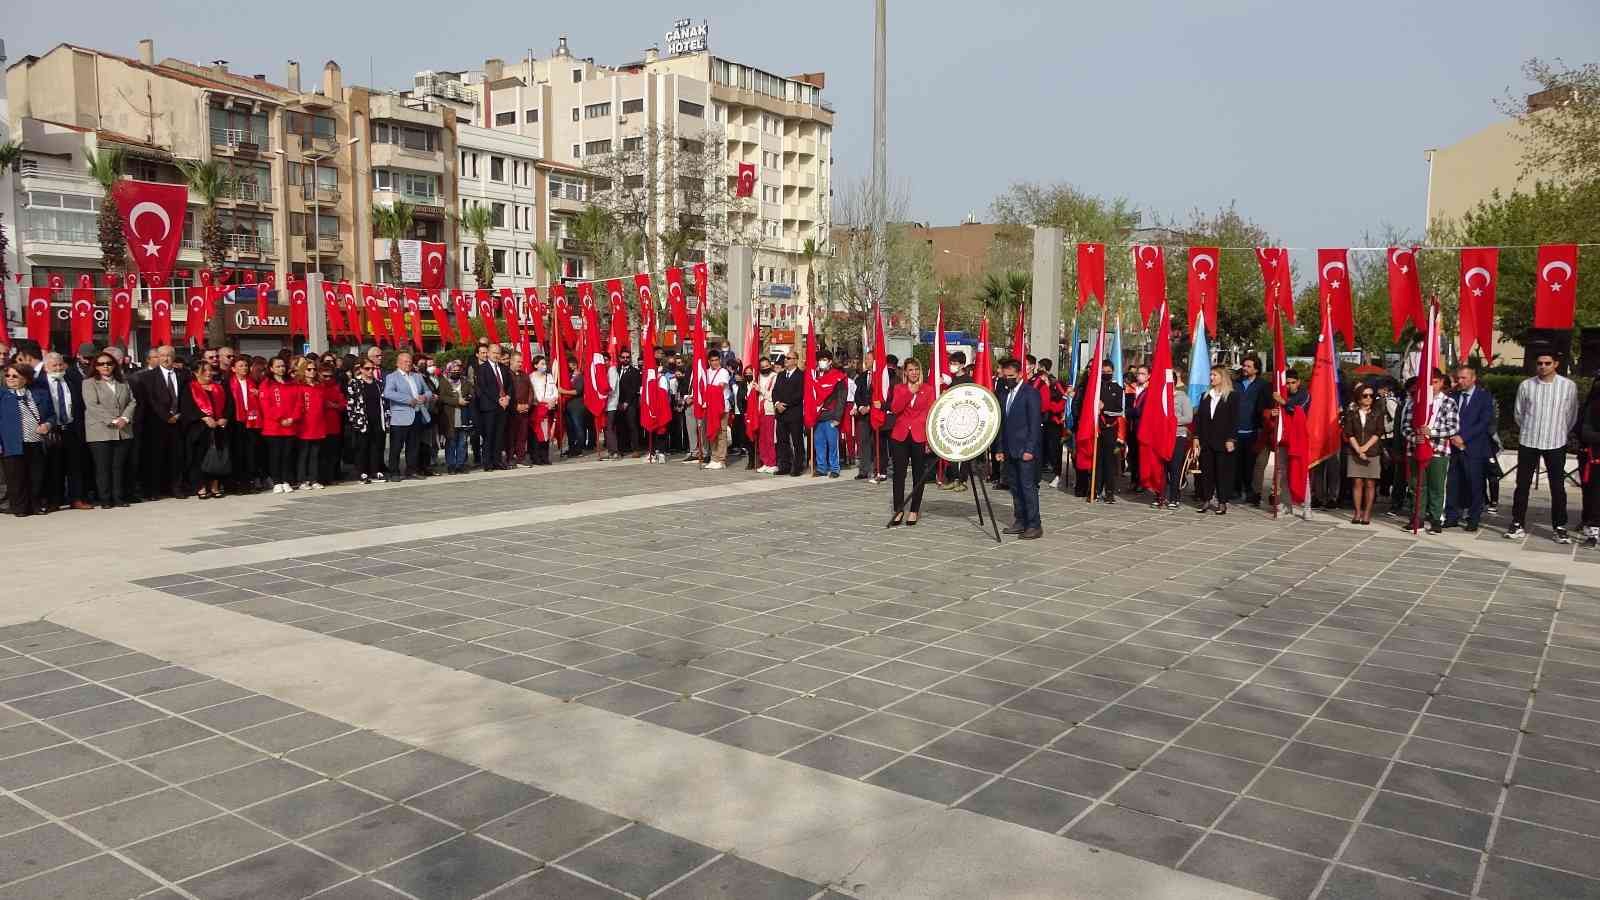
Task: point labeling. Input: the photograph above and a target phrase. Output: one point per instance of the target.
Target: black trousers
(1052, 447)
(25, 479)
(1555, 466)
(427, 446)
(791, 444)
(63, 469)
(403, 438)
(329, 465)
(908, 455)
(1243, 475)
(1107, 463)
(369, 451)
(110, 470)
(244, 452)
(1216, 474)
(162, 457)
(492, 425)
(280, 459)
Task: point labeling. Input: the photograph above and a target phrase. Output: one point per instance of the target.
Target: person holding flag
(1158, 422)
(1431, 421)
(828, 386)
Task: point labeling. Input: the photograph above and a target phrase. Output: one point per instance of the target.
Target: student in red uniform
(312, 426)
(244, 426)
(908, 440)
(1053, 407)
(331, 394)
(282, 408)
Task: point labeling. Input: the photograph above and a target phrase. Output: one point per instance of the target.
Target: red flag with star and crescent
(643, 289)
(82, 312)
(330, 308)
(537, 313)
(152, 217)
(1555, 288)
(397, 313)
(351, 321)
(433, 264)
(263, 294)
(441, 316)
(1480, 276)
(1203, 285)
(371, 306)
(1089, 412)
(39, 315)
(513, 318)
(747, 180)
(413, 302)
(461, 308)
(597, 381)
(194, 323)
(675, 303)
(1150, 277)
(160, 316)
(982, 364)
(1333, 283)
(1405, 290)
(1091, 274)
(122, 310)
(1277, 286)
(299, 307)
(617, 340)
(1158, 424)
(485, 308)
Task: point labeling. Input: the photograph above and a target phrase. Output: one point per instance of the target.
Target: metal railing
(248, 243)
(251, 192)
(33, 168)
(61, 235)
(326, 244)
(234, 137)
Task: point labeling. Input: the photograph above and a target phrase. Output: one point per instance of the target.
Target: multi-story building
(497, 170)
(410, 156)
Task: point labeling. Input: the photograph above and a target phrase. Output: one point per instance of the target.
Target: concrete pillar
(316, 313)
(741, 295)
(1044, 327)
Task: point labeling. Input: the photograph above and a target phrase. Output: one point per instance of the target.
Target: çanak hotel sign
(687, 37)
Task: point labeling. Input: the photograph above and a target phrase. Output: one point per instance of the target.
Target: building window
(635, 105)
(632, 143)
(687, 108)
(590, 148)
(497, 168)
(577, 151)
(577, 114)
(693, 148)
(571, 267)
(529, 116)
(309, 126)
(497, 214)
(577, 76)
(597, 110)
(505, 118)
(562, 187)
(408, 137)
(633, 181)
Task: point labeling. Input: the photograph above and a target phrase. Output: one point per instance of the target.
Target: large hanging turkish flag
(597, 381)
(82, 313)
(433, 265)
(617, 341)
(537, 314)
(508, 310)
(747, 180)
(461, 308)
(675, 304)
(1405, 290)
(152, 224)
(413, 302)
(1158, 424)
(1555, 291)
(122, 311)
(397, 313)
(1333, 282)
(1150, 276)
(1091, 274)
(1204, 280)
(299, 308)
(264, 291)
(1277, 288)
(194, 326)
(330, 308)
(485, 307)
(1480, 275)
(441, 317)
(39, 316)
(370, 307)
(160, 317)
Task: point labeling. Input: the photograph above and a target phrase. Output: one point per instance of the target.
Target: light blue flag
(1073, 362)
(1199, 362)
(1116, 350)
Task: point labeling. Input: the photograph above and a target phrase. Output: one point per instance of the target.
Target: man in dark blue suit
(1474, 445)
(1021, 442)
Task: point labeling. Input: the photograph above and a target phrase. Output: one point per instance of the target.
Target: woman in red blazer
(329, 455)
(313, 424)
(282, 408)
(244, 427)
(908, 440)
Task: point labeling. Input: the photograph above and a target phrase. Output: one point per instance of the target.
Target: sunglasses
(105, 365)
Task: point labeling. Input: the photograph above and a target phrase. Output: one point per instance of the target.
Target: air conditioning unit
(622, 119)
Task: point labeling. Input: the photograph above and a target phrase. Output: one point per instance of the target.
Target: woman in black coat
(1215, 418)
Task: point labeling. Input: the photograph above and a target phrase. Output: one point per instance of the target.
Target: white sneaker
(715, 465)
(317, 485)
(1055, 482)
(377, 476)
(280, 488)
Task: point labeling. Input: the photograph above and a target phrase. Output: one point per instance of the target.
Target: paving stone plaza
(608, 680)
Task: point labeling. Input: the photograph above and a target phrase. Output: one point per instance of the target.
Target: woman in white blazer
(108, 406)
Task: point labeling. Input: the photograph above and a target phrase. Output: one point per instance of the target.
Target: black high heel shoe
(898, 520)
(911, 521)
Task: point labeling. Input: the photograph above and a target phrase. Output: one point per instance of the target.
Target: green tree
(477, 220)
(10, 158)
(393, 223)
(213, 181)
(549, 260)
(1563, 136)
(1241, 309)
(105, 167)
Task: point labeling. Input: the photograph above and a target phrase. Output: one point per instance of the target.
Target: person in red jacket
(1053, 406)
(282, 408)
(312, 426)
(908, 440)
(244, 426)
(330, 454)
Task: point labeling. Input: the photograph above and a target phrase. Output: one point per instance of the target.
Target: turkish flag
(1322, 416)
(655, 408)
(1089, 412)
(352, 312)
(675, 304)
(597, 381)
(208, 292)
(646, 293)
(39, 316)
(1019, 334)
(941, 354)
(1204, 279)
(194, 325)
(397, 313)
(1421, 405)
(1277, 287)
(747, 180)
(462, 309)
(111, 279)
(484, 305)
(508, 309)
(263, 296)
(618, 339)
(413, 302)
(702, 282)
(1333, 282)
(1158, 424)
(1480, 275)
(983, 363)
(56, 282)
(299, 307)
(373, 312)
(152, 217)
(1091, 274)
(879, 413)
(1150, 276)
(1555, 292)
(160, 317)
(1405, 290)
(537, 313)
(810, 403)
(433, 265)
(121, 314)
(330, 308)
(82, 313)
(249, 276)
(441, 317)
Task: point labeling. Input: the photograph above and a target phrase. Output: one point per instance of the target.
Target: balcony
(238, 140)
(326, 245)
(573, 245)
(319, 193)
(386, 198)
(250, 192)
(791, 211)
(399, 156)
(806, 146)
(808, 180)
(246, 244)
(38, 234)
(749, 134)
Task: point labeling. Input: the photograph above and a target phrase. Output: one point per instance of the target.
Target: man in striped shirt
(1547, 407)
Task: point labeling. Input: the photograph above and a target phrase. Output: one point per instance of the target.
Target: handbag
(216, 462)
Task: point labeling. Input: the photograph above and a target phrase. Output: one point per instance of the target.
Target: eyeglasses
(105, 365)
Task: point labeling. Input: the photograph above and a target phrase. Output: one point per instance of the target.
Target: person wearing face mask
(788, 395)
(1112, 434)
(519, 414)
(542, 412)
(455, 424)
(1021, 436)
(64, 482)
(956, 474)
(1052, 410)
(830, 389)
(763, 408)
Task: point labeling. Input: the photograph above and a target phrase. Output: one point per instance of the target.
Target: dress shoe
(1033, 534)
(81, 504)
(1014, 529)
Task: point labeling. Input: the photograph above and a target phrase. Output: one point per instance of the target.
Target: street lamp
(316, 204)
(963, 256)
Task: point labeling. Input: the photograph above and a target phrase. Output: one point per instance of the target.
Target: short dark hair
(1030, 359)
(1045, 364)
(891, 360)
(1010, 362)
(1291, 373)
(1252, 358)
(30, 347)
(825, 354)
(959, 358)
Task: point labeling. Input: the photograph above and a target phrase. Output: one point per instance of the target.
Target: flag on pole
(1089, 415)
(1158, 425)
(941, 354)
(809, 411)
(1072, 373)
(1091, 274)
(1322, 417)
(1116, 352)
(1019, 338)
(1150, 278)
(1422, 400)
(1199, 362)
(880, 370)
(983, 365)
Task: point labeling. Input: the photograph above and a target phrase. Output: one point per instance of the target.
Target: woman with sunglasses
(26, 414)
(282, 407)
(108, 407)
(1364, 427)
(203, 410)
(365, 417)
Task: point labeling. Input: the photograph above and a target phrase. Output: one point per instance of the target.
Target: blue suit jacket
(1477, 423)
(1021, 428)
(398, 396)
(11, 417)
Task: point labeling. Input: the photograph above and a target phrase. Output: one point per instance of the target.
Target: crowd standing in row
(98, 429)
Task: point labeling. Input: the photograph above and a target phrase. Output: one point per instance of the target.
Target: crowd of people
(100, 430)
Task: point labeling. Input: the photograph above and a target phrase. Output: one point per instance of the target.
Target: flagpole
(1094, 384)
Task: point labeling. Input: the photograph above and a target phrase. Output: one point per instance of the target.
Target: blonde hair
(304, 370)
(1226, 387)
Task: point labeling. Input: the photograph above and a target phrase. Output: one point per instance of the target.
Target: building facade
(497, 171)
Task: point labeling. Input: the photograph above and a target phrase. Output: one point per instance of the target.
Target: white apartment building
(496, 170)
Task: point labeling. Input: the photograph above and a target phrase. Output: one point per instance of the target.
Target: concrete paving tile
(321, 805)
(639, 860)
(102, 877)
(407, 775)
(286, 871)
(552, 828)
(465, 867)
(39, 849)
(380, 838)
(1418, 859)
(197, 848)
(1147, 837)
(928, 779)
(479, 798)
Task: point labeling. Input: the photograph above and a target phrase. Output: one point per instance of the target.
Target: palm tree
(549, 260)
(394, 224)
(675, 243)
(10, 156)
(994, 293)
(213, 181)
(478, 220)
(105, 166)
(1020, 286)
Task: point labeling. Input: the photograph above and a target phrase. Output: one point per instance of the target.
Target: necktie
(499, 377)
(63, 408)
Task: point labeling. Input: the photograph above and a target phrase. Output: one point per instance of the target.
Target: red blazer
(250, 413)
(910, 411)
(313, 424)
(278, 402)
(333, 401)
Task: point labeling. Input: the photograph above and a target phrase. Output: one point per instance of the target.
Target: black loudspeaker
(1548, 340)
(1588, 351)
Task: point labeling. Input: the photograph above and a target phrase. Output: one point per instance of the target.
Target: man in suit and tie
(64, 483)
(408, 398)
(1021, 442)
(161, 446)
(490, 404)
(788, 397)
(1474, 445)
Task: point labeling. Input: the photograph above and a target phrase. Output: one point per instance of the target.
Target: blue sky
(1312, 117)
